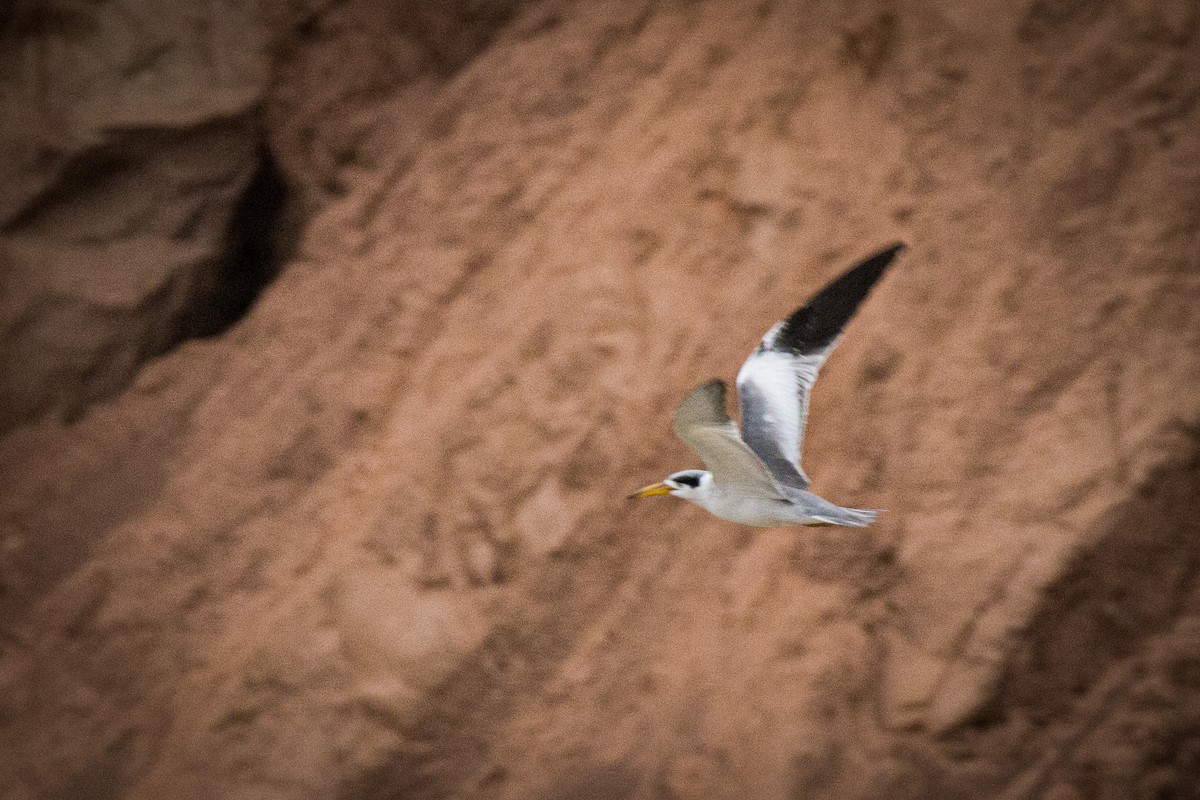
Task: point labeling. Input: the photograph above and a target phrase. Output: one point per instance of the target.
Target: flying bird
(754, 476)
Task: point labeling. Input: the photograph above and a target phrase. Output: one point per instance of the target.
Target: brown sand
(371, 543)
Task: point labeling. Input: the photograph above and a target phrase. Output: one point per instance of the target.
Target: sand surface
(371, 541)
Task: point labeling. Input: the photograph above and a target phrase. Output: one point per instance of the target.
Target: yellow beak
(652, 490)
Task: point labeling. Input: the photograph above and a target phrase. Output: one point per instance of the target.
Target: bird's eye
(687, 480)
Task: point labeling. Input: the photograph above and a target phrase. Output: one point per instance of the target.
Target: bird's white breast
(746, 509)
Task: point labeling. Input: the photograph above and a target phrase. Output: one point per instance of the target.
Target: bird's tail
(851, 517)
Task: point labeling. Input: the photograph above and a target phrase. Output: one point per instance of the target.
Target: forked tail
(850, 517)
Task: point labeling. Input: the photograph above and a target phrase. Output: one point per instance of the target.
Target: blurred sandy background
(333, 334)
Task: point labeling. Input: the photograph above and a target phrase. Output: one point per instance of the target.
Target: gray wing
(775, 382)
(703, 425)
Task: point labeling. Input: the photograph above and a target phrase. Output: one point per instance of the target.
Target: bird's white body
(798, 508)
(751, 510)
(736, 506)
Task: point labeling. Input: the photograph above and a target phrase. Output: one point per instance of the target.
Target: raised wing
(774, 383)
(703, 425)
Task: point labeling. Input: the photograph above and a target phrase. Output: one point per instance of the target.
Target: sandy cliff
(370, 541)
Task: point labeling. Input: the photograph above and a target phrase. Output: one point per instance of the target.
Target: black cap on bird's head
(677, 482)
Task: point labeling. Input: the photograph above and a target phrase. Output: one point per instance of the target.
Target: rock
(690, 777)
(401, 642)
(373, 541)
(131, 142)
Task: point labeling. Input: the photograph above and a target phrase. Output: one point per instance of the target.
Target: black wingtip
(824, 316)
(875, 264)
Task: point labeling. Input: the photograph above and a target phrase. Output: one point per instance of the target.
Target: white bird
(757, 480)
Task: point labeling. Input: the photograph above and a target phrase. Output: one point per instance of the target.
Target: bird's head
(686, 484)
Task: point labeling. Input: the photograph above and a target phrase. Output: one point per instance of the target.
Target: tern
(754, 476)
